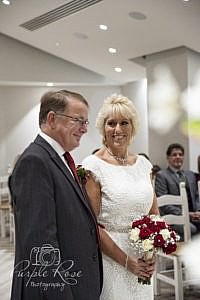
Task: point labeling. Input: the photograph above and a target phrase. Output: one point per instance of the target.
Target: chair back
(182, 219)
(3, 181)
(198, 183)
(4, 190)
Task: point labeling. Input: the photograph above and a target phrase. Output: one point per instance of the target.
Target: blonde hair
(117, 105)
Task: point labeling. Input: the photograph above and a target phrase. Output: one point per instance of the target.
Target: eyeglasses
(113, 123)
(77, 121)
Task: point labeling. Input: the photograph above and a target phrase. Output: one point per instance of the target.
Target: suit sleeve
(161, 188)
(32, 190)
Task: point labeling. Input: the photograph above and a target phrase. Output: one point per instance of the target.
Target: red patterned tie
(71, 164)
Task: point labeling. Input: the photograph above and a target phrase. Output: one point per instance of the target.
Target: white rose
(134, 234)
(156, 218)
(147, 245)
(165, 234)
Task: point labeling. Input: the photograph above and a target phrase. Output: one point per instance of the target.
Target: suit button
(94, 257)
(92, 231)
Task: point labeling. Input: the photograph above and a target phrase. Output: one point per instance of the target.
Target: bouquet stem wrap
(147, 255)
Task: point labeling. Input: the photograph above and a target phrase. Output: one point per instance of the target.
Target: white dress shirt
(56, 146)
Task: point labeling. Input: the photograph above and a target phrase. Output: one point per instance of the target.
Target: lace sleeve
(146, 164)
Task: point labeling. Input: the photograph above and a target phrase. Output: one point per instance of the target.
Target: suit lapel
(67, 173)
(191, 190)
(174, 177)
(58, 161)
(188, 186)
(81, 193)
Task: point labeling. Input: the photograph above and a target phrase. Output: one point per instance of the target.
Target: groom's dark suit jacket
(167, 182)
(57, 247)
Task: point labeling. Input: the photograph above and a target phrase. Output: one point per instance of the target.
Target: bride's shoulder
(93, 159)
(88, 158)
(144, 162)
(102, 155)
(132, 158)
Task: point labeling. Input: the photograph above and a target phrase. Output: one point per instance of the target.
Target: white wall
(20, 62)
(19, 119)
(137, 92)
(23, 71)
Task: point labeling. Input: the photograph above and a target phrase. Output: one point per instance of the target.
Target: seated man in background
(167, 182)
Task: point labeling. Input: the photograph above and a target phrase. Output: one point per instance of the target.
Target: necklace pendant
(122, 160)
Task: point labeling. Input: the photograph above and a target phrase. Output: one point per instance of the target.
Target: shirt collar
(174, 169)
(54, 144)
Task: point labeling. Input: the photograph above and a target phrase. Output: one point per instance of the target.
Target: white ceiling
(169, 24)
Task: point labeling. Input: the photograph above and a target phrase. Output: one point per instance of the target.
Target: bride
(120, 190)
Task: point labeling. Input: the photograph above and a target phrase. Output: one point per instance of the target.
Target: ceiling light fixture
(118, 69)
(137, 15)
(103, 27)
(6, 2)
(50, 84)
(112, 50)
(80, 35)
(57, 44)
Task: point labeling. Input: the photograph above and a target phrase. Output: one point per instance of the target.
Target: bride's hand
(151, 264)
(140, 268)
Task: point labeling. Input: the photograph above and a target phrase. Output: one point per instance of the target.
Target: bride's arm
(109, 247)
(154, 208)
(136, 266)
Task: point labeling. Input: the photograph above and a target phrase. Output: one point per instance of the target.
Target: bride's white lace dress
(127, 193)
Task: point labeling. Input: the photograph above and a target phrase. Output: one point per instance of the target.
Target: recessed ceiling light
(118, 69)
(137, 15)
(112, 50)
(186, 0)
(6, 2)
(57, 44)
(103, 27)
(50, 84)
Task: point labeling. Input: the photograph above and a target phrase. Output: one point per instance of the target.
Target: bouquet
(149, 234)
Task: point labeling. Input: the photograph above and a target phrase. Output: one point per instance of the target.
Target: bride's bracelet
(126, 262)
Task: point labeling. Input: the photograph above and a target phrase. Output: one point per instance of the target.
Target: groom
(57, 253)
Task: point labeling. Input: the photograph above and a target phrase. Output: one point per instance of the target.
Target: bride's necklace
(122, 160)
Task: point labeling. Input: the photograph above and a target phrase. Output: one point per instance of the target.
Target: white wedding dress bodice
(127, 194)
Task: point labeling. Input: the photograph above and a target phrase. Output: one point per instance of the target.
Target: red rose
(159, 241)
(145, 233)
(154, 227)
(137, 223)
(162, 225)
(169, 248)
(147, 220)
